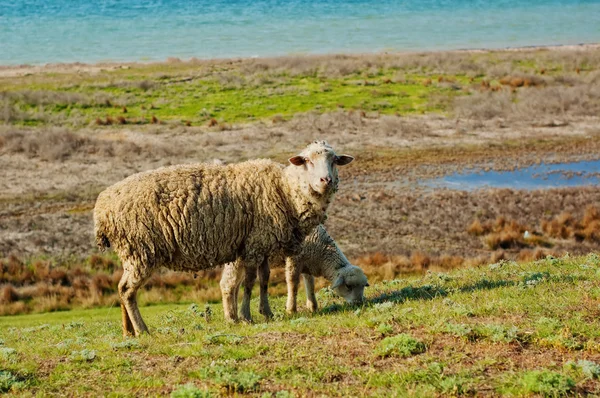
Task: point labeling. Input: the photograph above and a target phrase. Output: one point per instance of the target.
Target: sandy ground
(84, 68)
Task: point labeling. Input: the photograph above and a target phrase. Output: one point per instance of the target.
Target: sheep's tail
(103, 242)
(101, 239)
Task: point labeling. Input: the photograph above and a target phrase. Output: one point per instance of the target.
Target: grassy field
(501, 329)
(219, 93)
(438, 321)
(69, 131)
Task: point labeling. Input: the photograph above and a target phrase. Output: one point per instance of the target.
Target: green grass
(200, 100)
(504, 329)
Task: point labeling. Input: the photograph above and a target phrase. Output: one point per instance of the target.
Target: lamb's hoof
(267, 313)
(246, 318)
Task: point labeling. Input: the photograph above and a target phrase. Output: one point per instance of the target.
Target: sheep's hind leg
(309, 287)
(292, 278)
(127, 325)
(230, 284)
(263, 278)
(128, 287)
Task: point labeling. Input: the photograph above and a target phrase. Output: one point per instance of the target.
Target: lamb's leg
(309, 287)
(264, 274)
(230, 284)
(292, 278)
(128, 287)
(249, 279)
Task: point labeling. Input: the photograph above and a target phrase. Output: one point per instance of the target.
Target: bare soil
(50, 177)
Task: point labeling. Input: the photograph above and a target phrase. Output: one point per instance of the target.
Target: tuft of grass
(84, 355)
(230, 379)
(189, 390)
(11, 382)
(589, 369)
(543, 382)
(403, 345)
(126, 345)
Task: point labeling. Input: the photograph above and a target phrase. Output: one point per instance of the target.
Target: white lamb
(319, 256)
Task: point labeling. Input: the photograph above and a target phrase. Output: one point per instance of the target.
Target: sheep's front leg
(264, 274)
(292, 278)
(133, 278)
(230, 283)
(309, 287)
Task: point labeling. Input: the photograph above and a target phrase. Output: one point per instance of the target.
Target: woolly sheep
(199, 216)
(319, 256)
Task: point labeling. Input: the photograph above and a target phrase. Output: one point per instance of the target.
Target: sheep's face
(320, 161)
(350, 284)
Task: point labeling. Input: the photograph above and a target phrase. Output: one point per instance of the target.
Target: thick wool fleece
(194, 217)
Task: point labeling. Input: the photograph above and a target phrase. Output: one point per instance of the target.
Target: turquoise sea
(43, 31)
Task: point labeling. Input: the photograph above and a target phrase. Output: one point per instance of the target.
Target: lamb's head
(317, 163)
(350, 283)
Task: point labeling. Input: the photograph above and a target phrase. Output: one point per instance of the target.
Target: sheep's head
(318, 162)
(350, 284)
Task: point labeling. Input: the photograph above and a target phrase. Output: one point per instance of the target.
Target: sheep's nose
(326, 180)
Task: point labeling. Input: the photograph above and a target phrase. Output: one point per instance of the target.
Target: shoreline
(20, 70)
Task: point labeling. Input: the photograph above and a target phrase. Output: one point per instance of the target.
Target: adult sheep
(318, 255)
(199, 216)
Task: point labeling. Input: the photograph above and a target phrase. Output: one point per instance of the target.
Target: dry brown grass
(565, 226)
(559, 227)
(509, 234)
(41, 285)
(59, 144)
(9, 295)
(530, 102)
(379, 266)
(44, 97)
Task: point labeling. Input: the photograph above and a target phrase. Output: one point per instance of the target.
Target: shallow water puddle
(541, 176)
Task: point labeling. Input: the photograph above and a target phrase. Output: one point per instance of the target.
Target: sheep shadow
(411, 293)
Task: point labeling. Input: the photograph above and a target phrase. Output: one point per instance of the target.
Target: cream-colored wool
(199, 216)
(319, 255)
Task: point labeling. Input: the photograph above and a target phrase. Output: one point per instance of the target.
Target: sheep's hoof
(142, 332)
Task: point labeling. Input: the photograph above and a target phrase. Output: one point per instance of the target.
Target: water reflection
(539, 176)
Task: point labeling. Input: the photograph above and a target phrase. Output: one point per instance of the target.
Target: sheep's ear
(343, 160)
(338, 282)
(297, 160)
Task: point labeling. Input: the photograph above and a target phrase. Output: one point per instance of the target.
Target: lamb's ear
(338, 282)
(343, 160)
(297, 160)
